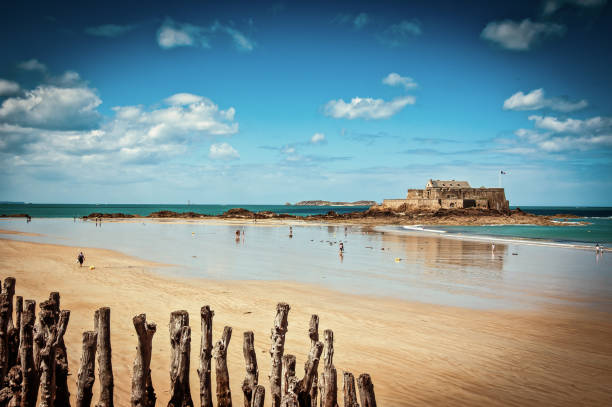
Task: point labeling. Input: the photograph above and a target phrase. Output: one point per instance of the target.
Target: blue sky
(252, 102)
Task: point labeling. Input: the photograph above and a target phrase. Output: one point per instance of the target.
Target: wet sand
(416, 353)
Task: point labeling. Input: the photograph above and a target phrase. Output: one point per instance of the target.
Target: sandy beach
(416, 353)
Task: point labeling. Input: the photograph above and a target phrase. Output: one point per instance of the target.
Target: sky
(273, 102)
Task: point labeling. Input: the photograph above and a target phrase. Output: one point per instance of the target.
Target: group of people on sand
(599, 249)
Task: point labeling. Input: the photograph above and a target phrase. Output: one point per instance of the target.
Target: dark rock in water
(15, 215)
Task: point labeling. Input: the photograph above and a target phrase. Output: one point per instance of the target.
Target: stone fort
(451, 194)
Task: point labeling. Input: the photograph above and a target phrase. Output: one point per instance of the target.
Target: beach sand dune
(417, 354)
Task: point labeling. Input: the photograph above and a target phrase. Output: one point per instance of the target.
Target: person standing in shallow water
(81, 259)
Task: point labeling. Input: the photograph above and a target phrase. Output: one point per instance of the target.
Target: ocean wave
(422, 229)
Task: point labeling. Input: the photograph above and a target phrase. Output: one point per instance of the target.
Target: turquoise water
(598, 231)
(79, 210)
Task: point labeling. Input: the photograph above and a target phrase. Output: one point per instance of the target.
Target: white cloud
(569, 125)
(521, 36)
(51, 107)
(109, 30)
(367, 108)
(8, 87)
(317, 138)
(394, 79)
(398, 34)
(32, 65)
(183, 99)
(536, 100)
(223, 151)
(551, 6)
(174, 34)
(558, 136)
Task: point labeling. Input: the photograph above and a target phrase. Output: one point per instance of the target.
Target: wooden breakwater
(34, 363)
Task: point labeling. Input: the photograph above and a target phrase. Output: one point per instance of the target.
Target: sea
(593, 225)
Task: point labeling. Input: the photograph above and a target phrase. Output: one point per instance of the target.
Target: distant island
(329, 203)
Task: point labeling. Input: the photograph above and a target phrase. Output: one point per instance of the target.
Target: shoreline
(431, 354)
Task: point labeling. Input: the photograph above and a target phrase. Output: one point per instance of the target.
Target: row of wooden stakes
(33, 360)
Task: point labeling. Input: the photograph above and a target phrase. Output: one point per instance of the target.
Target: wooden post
(143, 394)
(313, 332)
(87, 374)
(4, 321)
(348, 387)
(14, 334)
(55, 334)
(180, 340)
(277, 350)
(224, 394)
(105, 365)
(329, 384)
(288, 372)
(206, 346)
(9, 288)
(252, 373)
(62, 395)
(305, 386)
(30, 381)
(366, 391)
(259, 396)
(289, 383)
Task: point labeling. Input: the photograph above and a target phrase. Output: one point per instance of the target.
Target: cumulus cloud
(551, 6)
(52, 107)
(399, 34)
(109, 30)
(317, 138)
(552, 135)
(361, 20)
(32, 65)
(394, 79)
(536, 100)
(56, 128)
(367, 108)
(520, 36)
(8, 87)
(223, 151)
(174, 34)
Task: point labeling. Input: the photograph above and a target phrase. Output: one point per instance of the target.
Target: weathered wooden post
(277, 350)
(329, 384)
(13, 333)
(259, 396)
(306, 398)
(143, 394)
(4, 322)
(224, 394)
(87, 373)
(206, 346)
(55, 333)
(288, 373)
(10, 396)
(289, 382)
(348, 388)
(8, 287)
(62, 395)
(30, 381)
(252, 373)
(180, 340)
(105, 365)
(366, 391)
(313, 332)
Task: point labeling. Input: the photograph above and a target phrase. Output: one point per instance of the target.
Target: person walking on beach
(597, 248)
(81, 259)
(290, 231)
(341, 248)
